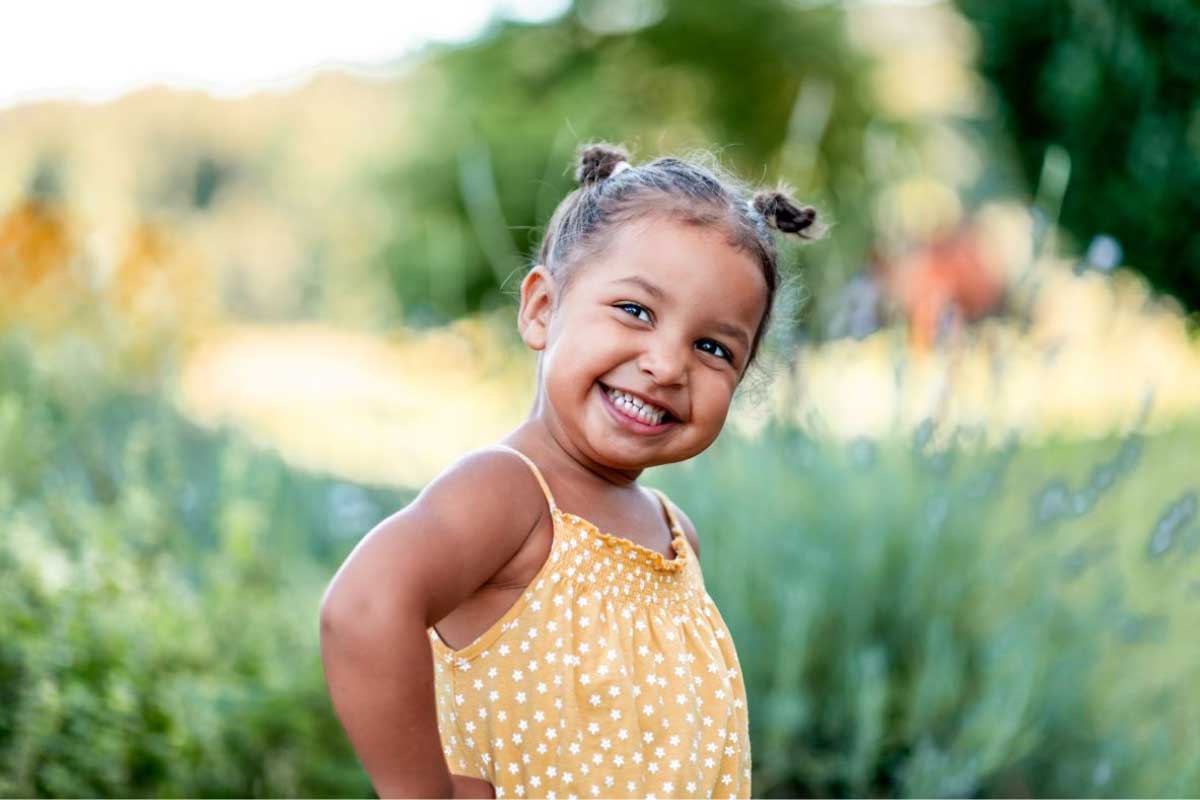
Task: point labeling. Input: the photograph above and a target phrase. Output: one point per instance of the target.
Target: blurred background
(259, 285)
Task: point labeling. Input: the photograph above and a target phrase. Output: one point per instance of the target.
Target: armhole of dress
(482, 642)
(536, 473)
(666, 504)
(679, 535)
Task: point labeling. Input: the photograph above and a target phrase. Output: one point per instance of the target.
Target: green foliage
(501, 118)
(1115, 84)
(911, 620)
(926, 622)
(159, 587)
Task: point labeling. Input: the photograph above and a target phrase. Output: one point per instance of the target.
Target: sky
(94, 52)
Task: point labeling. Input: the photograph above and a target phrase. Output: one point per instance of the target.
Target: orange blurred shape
(159, 280)
(36, 248)
(147, 255)
(942, 286)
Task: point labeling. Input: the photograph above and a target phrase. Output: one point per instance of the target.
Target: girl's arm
(410, 571)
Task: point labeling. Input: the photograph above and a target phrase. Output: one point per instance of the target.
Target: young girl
(536, 622)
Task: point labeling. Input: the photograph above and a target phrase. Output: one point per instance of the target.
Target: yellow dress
(612, 675)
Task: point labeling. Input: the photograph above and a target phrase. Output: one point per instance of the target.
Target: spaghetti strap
(536, 473)
(662, 498)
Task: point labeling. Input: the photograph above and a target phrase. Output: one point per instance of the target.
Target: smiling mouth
(644, 418)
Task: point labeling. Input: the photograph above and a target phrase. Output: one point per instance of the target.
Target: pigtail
(598, 162)
(785, 215)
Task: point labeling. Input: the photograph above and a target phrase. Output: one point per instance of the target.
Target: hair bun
(597, 162)
(784, 214)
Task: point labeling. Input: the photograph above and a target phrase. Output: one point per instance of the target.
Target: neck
(542, 438)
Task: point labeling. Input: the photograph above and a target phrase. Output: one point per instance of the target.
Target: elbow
(330, 627)
(345, 633)
(337, 615)
(353, 617)
(329, 619)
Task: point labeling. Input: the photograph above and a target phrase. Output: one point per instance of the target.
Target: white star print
(520, 706)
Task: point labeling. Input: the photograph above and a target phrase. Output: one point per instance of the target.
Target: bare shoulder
(689, 529)
(488, 480)
(487, 500)
(437, 551)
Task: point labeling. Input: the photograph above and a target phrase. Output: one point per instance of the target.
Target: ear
(538, 293)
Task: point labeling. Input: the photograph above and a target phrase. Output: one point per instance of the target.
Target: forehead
(694, 266)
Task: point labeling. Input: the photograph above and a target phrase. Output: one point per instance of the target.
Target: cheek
(721, 405)
(571, 370)
(716, 396)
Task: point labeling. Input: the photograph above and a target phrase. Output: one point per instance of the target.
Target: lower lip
(631, 423)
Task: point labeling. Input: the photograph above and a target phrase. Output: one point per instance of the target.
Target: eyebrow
(649, 287)
(654, 291)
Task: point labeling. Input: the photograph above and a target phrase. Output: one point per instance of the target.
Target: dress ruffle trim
(657, 560)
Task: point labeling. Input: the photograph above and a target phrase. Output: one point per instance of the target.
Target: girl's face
(663, 318)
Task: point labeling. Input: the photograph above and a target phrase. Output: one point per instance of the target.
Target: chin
(610, 453)
(651, 457)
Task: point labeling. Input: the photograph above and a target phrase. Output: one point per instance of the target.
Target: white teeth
(647, 413)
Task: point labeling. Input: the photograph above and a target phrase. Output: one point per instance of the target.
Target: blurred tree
(774, 89)
(47, 181)
(208, 176)
(1117, 84)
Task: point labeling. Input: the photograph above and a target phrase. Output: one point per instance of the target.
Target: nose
(665, 362)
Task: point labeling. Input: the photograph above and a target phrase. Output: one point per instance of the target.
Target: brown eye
(637, 312)
(716, 348)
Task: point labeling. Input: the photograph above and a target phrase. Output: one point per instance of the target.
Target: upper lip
(646, 398)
